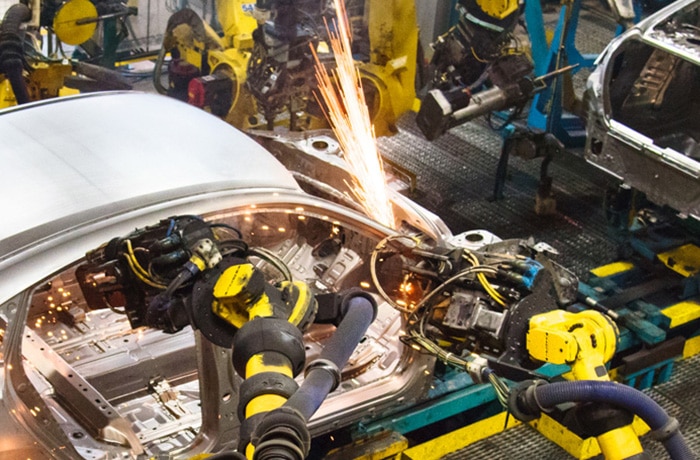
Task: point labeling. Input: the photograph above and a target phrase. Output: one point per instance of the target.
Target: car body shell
(642, 98)
(79, 171)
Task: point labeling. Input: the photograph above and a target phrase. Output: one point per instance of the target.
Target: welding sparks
(348, 115)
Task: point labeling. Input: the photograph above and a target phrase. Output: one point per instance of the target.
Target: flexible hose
(318, 382)
(14, 17)
(158, 72)
(283, 433)
(664, 427)
(11, 51)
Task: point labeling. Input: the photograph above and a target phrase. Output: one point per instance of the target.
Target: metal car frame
(80, 171)
(643, 97)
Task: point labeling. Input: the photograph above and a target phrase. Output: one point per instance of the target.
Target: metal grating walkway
(455, 179)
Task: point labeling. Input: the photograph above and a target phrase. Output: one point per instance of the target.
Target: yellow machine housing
(388, 75)
(585, 341)
(498, 9)
(44, 81)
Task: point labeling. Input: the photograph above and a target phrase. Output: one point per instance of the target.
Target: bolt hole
(320, 145)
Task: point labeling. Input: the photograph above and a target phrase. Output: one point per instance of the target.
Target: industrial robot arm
(586, 341)
(498, 311)
(185, 271)
(477, 67)
(444, 109)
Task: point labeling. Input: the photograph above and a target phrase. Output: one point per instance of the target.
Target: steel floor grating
(521, 442)
(681, 400)
(455, 179)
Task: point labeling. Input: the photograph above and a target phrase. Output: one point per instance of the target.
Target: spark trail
(348, 115)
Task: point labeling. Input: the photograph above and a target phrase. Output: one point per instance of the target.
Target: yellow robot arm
(584, 340)
(498, 9)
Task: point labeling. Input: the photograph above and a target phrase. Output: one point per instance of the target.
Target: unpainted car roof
(107, 152)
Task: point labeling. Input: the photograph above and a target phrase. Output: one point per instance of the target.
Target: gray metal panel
(115, 152)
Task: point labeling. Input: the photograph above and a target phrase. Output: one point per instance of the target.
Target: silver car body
(643, 103)
(80, 383)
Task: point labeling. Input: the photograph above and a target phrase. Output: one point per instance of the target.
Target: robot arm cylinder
(441, 111)
(325, 371)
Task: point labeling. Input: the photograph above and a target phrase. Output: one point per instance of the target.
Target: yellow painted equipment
(684, 260)
(234, 301)
(69, 23)
(7, 96)
(498, 9)
(241, 296)
(388, 74)
(585, 341)
(44, 81)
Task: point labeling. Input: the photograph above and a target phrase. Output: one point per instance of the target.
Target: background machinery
(480, 50)
(499, 62)
(27, 74)
(260, 72)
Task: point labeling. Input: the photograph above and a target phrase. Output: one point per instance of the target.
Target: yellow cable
(132, 256)
(477, 57)
(490, 290)
(141, 277)
(495, 295)
(138, 269)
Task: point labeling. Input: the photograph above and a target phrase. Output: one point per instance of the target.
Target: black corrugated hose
(12, 61)
(282, 434)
